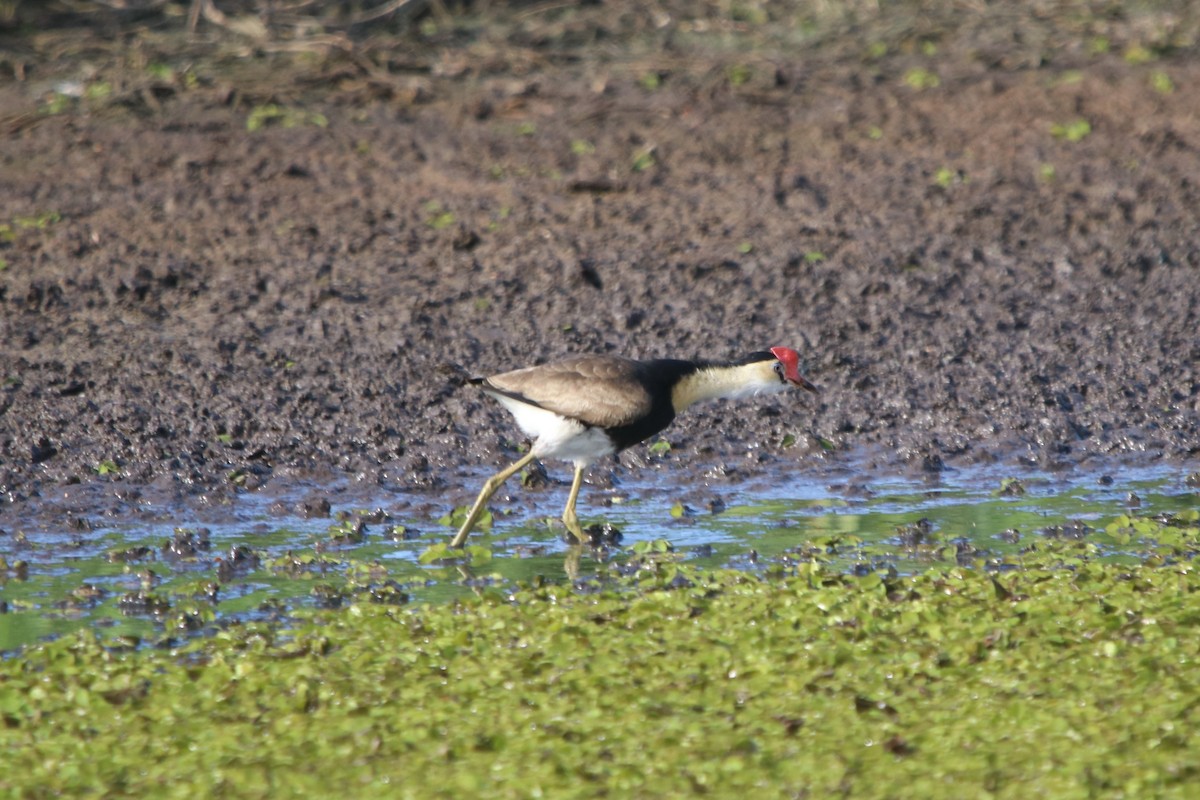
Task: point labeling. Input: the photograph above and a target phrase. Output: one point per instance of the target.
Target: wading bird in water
(587, 407)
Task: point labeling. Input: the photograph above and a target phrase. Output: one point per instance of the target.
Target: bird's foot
(594, 535)
(572, 523)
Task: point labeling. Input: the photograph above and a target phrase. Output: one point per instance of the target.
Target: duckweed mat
(1061, 676)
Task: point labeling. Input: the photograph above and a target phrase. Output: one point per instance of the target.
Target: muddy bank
(246, 275)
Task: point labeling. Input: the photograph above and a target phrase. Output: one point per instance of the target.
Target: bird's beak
(803, 383)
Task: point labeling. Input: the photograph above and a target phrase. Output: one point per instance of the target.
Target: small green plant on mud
(107, 467)
(39, 221)
(643, 159)
(920, 79)
(945, 177)
(100, 90)
(750, 13)
(272, 114)
(582, 147)
(738, 74)
(1075, 131)
(1138, 54)
(57, 103)
(162, 72)
(1069, 77)
(1162, 83)
(438, 216)
(650, 81)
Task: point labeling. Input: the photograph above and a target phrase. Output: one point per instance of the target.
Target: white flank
(555, 436)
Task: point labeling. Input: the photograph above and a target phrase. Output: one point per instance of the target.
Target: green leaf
(438, 552)
(456, 518)
(479, 554)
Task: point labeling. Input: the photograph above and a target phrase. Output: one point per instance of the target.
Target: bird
(586, 407)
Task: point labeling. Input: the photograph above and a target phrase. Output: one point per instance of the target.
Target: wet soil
(263, 266)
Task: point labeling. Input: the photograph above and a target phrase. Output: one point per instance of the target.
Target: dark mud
(190, 309)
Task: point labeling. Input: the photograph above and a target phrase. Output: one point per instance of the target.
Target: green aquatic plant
(951, 683)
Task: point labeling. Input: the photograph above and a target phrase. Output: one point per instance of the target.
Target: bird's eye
(779, 370)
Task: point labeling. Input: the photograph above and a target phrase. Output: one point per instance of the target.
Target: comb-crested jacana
(586, 407)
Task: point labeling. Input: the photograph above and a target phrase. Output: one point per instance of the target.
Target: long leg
(569, 518)
(489, 488)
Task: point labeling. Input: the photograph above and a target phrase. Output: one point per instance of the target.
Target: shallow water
(93, 579)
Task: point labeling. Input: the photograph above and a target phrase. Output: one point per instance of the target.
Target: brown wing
(603, 391)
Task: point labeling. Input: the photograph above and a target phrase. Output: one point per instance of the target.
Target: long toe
(573, 526)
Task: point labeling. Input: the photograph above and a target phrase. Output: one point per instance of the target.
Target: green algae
(1059, 674)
